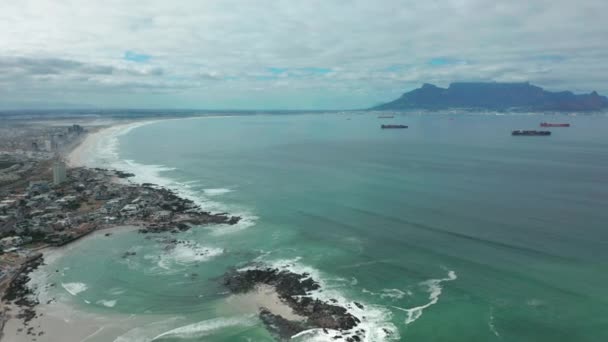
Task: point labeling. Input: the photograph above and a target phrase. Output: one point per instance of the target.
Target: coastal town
(44, 203)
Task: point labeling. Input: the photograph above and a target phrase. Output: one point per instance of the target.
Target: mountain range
(495, 96)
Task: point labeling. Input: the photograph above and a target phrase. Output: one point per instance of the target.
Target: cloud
(227, 53)
(444, 61)
(136, 57)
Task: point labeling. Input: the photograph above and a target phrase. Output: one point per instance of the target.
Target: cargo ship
(393, 126)
(386, 116)
(548, 124)
(523, 132)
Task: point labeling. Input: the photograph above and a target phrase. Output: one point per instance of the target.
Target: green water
(495, 237)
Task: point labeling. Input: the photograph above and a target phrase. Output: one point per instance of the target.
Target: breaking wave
(74, 288)
(388, 293)
(375, 319)
(107, 303)
(146, 332)
(106, 151)
(434, 289)
(491, 324)
(186, 253)
(216, 192)
(204, 328)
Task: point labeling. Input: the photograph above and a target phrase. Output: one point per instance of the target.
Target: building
(40, 187)
(77, 129)
(59, 174)
(48, 145)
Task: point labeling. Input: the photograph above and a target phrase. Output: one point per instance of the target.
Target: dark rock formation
(294, 290)
(495, 96)
(279, 326)
(21, 295)
(122, 174)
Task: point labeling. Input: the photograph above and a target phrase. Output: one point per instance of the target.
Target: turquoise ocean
(451, 230)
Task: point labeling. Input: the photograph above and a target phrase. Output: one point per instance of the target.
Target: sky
(288, 54)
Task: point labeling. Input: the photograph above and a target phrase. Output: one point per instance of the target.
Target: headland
(50, 198)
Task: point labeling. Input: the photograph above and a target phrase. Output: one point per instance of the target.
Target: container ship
(548, 124)
(522, 132)
(393, 126)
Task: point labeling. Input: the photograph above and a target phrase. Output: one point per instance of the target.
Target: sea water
(451, 230)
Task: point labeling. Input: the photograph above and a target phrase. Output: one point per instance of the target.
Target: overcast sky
(262, 54)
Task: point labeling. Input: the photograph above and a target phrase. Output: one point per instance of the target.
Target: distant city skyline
(323, 54)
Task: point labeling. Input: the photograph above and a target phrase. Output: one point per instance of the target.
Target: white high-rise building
(59, 174)
(48, 145)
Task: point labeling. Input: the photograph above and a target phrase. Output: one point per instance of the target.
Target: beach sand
(75, 158)
(58, 319)
(263, 296)
(60, 322)
(84, 152)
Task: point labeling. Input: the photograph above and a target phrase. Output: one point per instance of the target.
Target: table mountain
(495, 96)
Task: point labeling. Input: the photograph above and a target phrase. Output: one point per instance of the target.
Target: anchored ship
(393, 126)
(524, 132)
(548, 124)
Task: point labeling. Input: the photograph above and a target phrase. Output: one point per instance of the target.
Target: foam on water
(247, 220)
(375, 320)
(491, 323)
(434, 289)
(187, 253)
(216, 192)
(117, 291)
(74, 288)
(388, 293)
(147, 332)
(204, 328)
(106, 152)
(107, 303)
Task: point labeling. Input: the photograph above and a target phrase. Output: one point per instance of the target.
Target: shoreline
(287, 303)
(60, 320)
(75, 156)
(179, 214)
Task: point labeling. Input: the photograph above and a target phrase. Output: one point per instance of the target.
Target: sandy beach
(263, 296)
(60, 318)
(100, 136)
(83, 153)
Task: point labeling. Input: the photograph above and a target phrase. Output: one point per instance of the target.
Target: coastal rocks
(128, 254)
(18, 291)
(279, 326)
(180, 214)
(295, 291)
(121, 174)
(22, 296)
(189, 220)
(285, 282)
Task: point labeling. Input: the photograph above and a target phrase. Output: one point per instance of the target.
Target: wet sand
(263, 296)
(59, 320)
(82, 153)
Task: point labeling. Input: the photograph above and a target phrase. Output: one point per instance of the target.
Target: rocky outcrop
(22, 296)
(295, 290)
